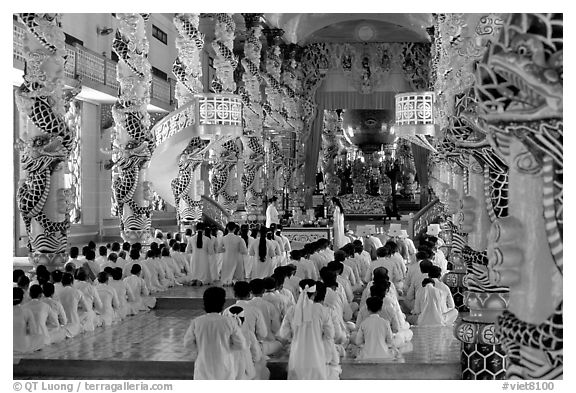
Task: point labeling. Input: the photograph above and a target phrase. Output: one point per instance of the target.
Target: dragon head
(134, 155)
(42, 152)
(521, 78)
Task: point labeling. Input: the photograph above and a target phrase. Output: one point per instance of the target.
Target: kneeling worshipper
(23, 326)
(213, 337)
(374, 334)
(307, 324)
(430, 308)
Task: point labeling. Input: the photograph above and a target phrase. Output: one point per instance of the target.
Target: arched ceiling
(305, 28)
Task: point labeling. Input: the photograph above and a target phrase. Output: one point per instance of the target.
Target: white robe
(339, 238)
(375, 337)
(233, 258)
(142, 299)
(262, 269)
(308, 358)
(56, 328)
(203, 262)
(23, 327)
(70, 298)
(213, 337)
(110, 304)
(271, 215)
(43, 315)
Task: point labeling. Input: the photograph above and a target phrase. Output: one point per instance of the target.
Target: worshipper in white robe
(73, 257)
(102, 257)
(142, 299)
(254, 319)
(272, 216)
(336, 298)
(430, 307)
(233, 258)
(292, 280)
(271, 295)
(110, 304)
(333, 347)
(43, 315)
(434, 230)
(363, 261)
(24, 284)
(124, 293)
(285, 243)
(247, 259)
(244, 359)
(90, 265)
(71, 298)
(285, 294)
(56, 329)
(24, 340)
(451, 313)
(307, 324)
(203, 251)
(305, 268)
(89, 319)
(413, 281)
(264, 252)
(277, 249)
(338, 218)
(213, 337)
(390, 311)
(155, 279)
(173, 271)
(271, 316)
(217, 236)
(409, 245)
(374, 334)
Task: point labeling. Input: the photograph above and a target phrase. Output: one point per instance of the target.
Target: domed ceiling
(368, 129)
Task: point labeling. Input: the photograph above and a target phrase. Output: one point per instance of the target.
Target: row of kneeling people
(60, 305)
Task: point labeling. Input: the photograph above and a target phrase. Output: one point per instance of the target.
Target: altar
(299, 236)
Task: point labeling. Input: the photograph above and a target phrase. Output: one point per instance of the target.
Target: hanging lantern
(415, 118)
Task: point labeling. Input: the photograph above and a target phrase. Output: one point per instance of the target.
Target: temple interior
(130, 127)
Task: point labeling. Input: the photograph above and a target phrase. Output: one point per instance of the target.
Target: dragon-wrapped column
(187, 187)
(46, 140)
(520, 91)
(253, 147)
(133, 141)
(224, 181)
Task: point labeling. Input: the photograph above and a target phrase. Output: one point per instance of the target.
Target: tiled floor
(158, 335)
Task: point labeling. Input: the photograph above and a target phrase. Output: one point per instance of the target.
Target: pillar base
(483, 362)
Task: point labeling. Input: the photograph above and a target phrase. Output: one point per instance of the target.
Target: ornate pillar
(329, 152)
(187, 187)
(224, 180)
(46, 140)
(274, 94)
(252, 113)
(132, 139)
(526, 250)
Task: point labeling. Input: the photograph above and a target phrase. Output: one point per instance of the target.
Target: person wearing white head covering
(409, 245)
(244, 359)
(307, 324)
(434, 230)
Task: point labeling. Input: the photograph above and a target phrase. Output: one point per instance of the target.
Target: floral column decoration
(133, 141)
(254, 154)
(227, 150)
(274, 93)
(47, 140)
(188, 187)
(329, 152)
(520, 98)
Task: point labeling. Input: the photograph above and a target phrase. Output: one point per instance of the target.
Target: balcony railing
(94, 67)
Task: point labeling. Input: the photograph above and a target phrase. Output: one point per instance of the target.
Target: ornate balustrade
(418, 223)
(92, 66)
